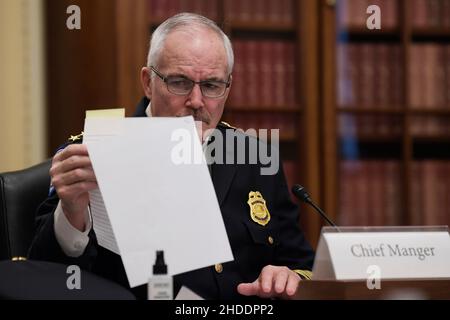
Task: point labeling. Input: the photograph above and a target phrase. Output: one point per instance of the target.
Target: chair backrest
(21, 192)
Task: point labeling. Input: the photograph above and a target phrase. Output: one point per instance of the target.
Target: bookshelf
(357, 97)
(386, 104)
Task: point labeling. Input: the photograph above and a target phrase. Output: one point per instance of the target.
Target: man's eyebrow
(213, 79)
(178, 75)
(181, 75)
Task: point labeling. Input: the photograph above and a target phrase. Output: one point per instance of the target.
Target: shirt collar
(148, 110)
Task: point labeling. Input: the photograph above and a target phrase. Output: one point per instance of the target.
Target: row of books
(160, 10)
(429, 76)
(353, 13)
(369, 193)
(369, 75)
(429, 192)
(369, 126)
(392, 126)
(240, 11)
(260, 11)
(284, 122)
(430, 126)
(430, 13)
(264, 74)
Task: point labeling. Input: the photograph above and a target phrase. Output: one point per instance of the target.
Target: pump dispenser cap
(160, 266)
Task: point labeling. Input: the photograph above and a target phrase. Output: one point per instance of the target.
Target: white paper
(153, 203)
(187, 294)
(101, 224)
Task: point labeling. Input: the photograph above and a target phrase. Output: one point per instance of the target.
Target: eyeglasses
(182, 86)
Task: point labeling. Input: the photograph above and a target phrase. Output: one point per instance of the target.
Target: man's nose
(195, 98)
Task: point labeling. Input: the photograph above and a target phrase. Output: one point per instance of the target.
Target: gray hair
(186, 20)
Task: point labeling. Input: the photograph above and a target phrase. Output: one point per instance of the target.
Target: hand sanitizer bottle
(160, 286)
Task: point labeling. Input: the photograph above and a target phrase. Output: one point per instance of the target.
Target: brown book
(367, 64)
(357, 13)
(266, 73)
(447, 178)
(434, 15)
(440, 77)
(346, 192)
(212, 9)
(354, 65)
(447, 74)
(442, 192)
(274, 11)
(389, 15)
(291, 83)
(238, 92)
(419, 13)
(279, 77)
(416, 76)
(230, 10)
(416, 194)
(244, 10)
(258, 11)
(393, 211)
(343, 75)
(287, 15)
(445, 14)
(376, 199)
(430, 200)
(396, 96)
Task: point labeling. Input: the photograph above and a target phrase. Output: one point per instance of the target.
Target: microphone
(300, 192)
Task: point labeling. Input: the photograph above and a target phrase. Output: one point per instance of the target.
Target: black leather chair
(21, 192)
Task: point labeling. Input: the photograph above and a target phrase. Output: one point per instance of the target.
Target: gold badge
(258, 208)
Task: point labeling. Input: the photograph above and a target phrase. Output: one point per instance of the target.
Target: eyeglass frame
(165, 78)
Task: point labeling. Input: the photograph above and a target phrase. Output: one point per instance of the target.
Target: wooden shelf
(425, 138)
(284, 138)
(363, 31)
(373, 138)
(378, 111)
(362, 34)
(261, 26)
(263, 109)
(431, 34)
(430, 112)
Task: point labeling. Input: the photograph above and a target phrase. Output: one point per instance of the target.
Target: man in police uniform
(188, 73)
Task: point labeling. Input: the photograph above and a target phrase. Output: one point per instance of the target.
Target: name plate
(389, 253)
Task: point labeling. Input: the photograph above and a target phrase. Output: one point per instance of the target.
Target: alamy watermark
(73, 21)
(374, 277)
(374, 20)
(251, 146)
(73, 282)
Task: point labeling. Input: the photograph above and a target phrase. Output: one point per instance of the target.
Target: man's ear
(146, 82)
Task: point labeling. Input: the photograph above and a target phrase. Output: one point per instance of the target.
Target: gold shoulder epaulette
(77, 138)
(226, 124)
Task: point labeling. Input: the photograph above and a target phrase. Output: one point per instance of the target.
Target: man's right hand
(73, 177)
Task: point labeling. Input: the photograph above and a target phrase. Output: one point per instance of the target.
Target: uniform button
(270, 240)
(218, 267)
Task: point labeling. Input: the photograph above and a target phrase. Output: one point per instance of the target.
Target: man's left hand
(274, 281)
